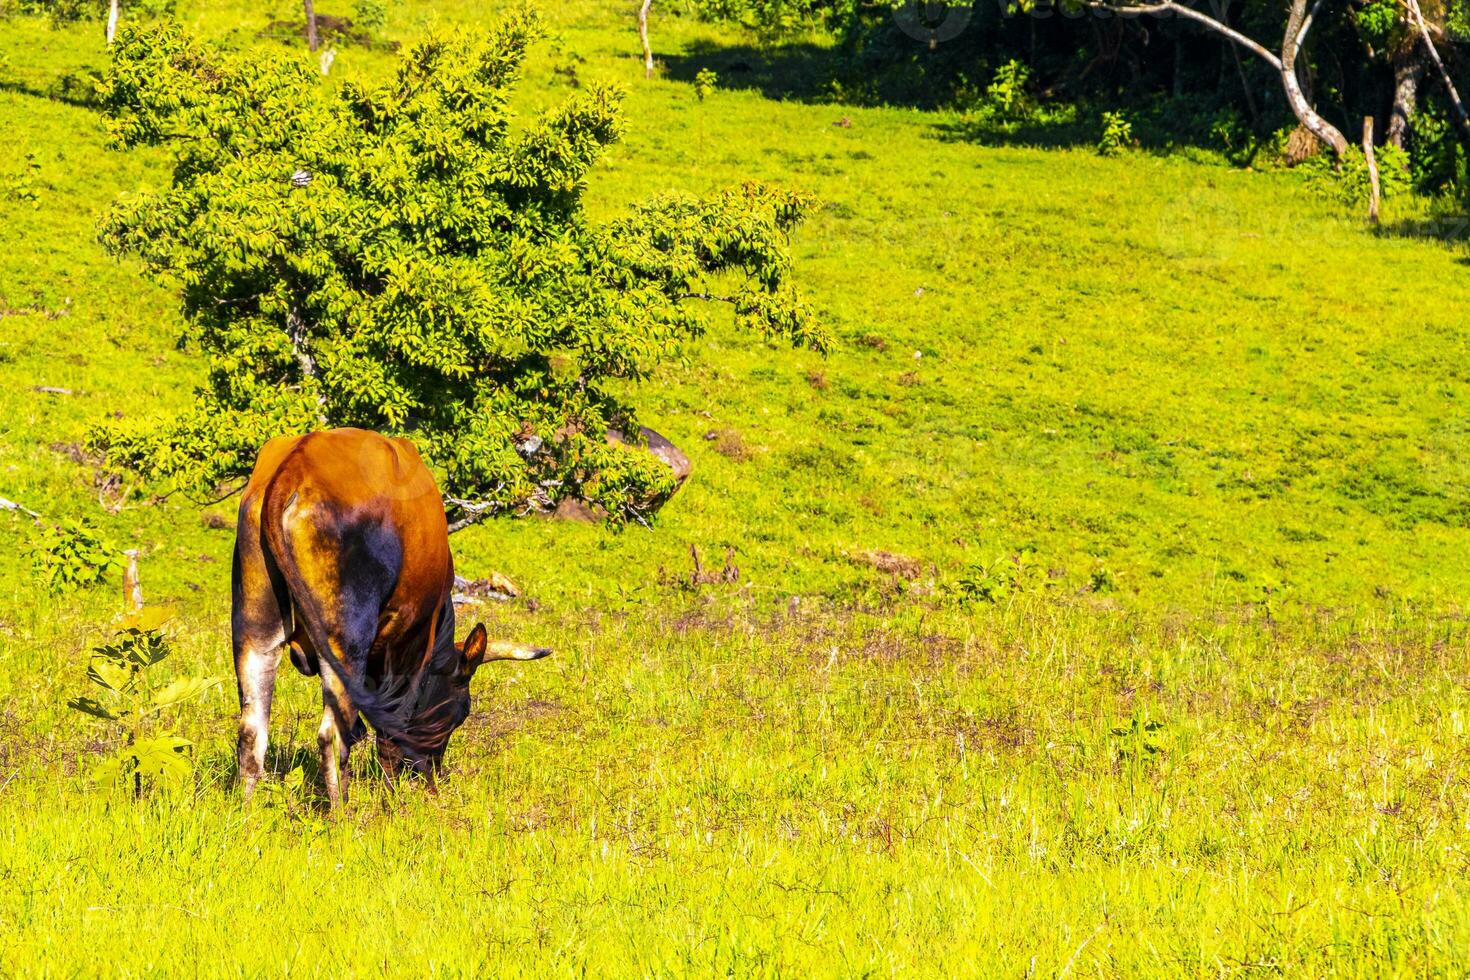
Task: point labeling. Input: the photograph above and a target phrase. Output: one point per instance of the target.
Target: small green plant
(20, 185)
(72, 555)
(1348, 182)
(1271, 595)
(704, 83)
(131, 700)
(1136, 740)
(370, 15)
(1117, 134)
(1101, 579)
(999, 579)
(292, 796)
(1006, 99)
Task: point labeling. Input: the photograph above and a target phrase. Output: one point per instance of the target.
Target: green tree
(400, 257)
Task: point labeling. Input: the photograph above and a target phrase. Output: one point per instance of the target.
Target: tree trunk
(1372, 170)
(296, 333)
(311, 38)
(1408, 68)
(1298, 22)
(643, 36)
(1297, 25)
(1462, 121)
(112, 12)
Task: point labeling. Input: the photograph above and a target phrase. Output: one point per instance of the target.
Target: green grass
(1206, 386)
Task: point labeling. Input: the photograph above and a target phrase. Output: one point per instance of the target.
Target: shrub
(704, 83)
(370, 15)
(404, 257)
(72, 555)
(1117, 134)
(1006, 99)
(1347, 181)
(1000, 579)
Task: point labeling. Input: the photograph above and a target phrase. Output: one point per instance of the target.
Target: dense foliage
(1178, 82)
(400, 257)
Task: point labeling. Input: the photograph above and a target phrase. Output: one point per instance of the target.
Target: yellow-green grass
(1233, 399)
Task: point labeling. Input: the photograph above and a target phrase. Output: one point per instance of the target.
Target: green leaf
(165, 758)
(108, 672)
(180, 691)
(294, 780)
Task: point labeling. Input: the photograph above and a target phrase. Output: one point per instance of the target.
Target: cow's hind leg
(335, 736)
(255, 673)
(341, 575)
(350, 619)
(258, 628)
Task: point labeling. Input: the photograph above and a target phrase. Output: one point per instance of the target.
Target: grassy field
(1220, 729)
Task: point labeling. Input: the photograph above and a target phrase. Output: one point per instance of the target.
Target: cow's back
(362, 500)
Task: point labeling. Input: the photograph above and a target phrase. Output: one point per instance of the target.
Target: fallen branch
(12, 505)
(475, 511)
(50, 390)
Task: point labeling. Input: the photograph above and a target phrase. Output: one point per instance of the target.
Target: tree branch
(1462, 121)
(1298, 22)
(12, 505)
(1169, 7)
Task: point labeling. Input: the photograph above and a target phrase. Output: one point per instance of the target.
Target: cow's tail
(384, 719)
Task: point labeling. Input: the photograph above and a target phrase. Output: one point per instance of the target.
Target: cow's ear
(472, 651)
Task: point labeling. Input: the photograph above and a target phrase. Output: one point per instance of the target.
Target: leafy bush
(772, 20)
(403, 257)
(1436, 158)
(1117, 134)
(72, 555)
(1000, 579)
(1347, 181)
(1006, 99)
(704, 83)
(19, 186)
(370, 15)
(132, 702)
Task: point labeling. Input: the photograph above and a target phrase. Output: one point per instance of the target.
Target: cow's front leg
(339, 718)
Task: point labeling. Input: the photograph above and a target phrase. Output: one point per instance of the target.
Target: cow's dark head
(444, 703)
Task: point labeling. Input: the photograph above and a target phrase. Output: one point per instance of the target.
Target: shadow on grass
(69, 88)
(1078, 131)
(790, 72)
(1451, 229)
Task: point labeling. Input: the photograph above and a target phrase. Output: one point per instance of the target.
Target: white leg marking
(256, 668)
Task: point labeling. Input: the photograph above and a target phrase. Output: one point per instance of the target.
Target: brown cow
(342, 556)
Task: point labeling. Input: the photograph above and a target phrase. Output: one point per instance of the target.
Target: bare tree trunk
(1408, 68)
(1298, 22)
(296, 333)
(1372, 170)
(1297, 25)
(311, 38)
(112, 13)
(1462, 122)
(643, 36)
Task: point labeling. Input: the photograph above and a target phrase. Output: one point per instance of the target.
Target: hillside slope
(1220, 728)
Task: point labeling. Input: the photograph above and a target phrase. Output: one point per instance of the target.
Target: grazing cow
(342, 556)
